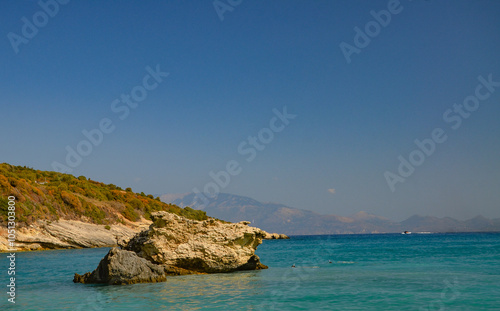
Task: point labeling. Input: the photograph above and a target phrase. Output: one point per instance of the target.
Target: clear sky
(361, 97)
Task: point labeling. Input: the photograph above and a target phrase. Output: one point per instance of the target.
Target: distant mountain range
(273, 217)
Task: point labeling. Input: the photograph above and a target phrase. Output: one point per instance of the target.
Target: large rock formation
(190, 246)
(123, 267)
(183, 246)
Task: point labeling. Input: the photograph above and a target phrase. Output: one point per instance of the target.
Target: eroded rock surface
(275, 236)
(189, 246)
(63, 234)
(120, 267)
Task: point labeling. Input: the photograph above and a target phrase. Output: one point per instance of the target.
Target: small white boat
(406, 232)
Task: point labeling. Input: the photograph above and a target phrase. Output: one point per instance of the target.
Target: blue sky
(353, 120)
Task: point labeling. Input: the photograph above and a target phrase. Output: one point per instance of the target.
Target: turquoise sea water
(368, 272)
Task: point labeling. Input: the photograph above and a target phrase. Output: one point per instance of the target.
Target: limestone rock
(275, 236)
(72, 234)
(123, 267)
(267, 235)
(188, 246)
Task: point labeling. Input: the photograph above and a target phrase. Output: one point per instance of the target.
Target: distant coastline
(277, 217)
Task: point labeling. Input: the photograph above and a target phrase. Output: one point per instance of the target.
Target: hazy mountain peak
(169, 198)
(275, 217)
(479, 217)
(362, 215)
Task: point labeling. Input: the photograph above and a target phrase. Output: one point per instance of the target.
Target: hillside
(293, 221)
(44, 195)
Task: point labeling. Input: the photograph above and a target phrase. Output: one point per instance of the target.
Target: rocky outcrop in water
(180, 246)
(189, 246)
(275, 236)
(120, 267)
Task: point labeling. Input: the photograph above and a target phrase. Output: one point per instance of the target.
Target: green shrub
(4, 208)
(71, 200)
(94, 213)
(130, 213)
(137, 204)
(190, 213)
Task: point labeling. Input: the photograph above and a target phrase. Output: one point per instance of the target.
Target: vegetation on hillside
(51, 195)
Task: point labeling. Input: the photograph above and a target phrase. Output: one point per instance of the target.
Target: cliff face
(65, 233)
(177, 245)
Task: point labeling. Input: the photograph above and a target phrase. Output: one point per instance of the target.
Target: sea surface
(367, 272)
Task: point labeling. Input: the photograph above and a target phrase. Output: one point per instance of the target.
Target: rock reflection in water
(229, 289)
(214, 287)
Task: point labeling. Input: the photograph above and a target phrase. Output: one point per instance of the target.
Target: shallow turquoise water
(368, 272)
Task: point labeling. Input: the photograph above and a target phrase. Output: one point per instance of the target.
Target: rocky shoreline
(70, 234)
(174, 245)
